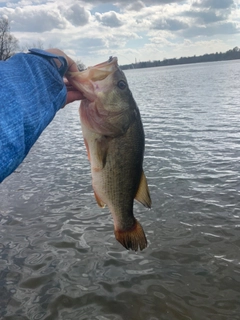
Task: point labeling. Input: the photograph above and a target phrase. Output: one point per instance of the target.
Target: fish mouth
(107, 64)
(87, 81)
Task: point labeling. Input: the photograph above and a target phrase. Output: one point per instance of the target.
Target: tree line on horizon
(231, 54)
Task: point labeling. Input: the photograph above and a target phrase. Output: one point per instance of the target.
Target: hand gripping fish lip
(86, 81)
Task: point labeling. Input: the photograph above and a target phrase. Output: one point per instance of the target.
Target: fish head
(104, 84)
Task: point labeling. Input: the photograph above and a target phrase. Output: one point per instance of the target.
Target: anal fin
(143, 195)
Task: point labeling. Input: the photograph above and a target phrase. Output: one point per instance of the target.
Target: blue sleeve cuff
(50, 57)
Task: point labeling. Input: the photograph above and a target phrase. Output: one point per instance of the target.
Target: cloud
(214, 4)
(45, 17)
(77, 15)
(169, 24)
(210, 18)
(91, 30)
(135, 6)
(109, 19)
(211, 30)
(206, 17)
(34, 19)
(147, 2)
(91, 42)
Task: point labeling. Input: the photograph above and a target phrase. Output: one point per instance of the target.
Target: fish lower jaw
(133, 238)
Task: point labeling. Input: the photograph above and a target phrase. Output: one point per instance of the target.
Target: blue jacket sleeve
(31, 92)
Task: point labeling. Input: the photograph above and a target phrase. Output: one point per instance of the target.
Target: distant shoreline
(233, 54)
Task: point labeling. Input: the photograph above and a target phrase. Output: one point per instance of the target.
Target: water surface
(58, 255)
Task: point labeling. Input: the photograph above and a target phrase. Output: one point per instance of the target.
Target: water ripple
(58, 255)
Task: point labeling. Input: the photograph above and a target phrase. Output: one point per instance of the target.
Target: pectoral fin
(143, 195)
(101, 151)
(87, 147)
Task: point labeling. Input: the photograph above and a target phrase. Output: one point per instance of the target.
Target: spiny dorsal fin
(143, 195)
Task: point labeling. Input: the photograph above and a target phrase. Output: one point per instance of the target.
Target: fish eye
(121, 84)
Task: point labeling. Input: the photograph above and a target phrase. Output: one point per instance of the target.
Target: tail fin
(132, 238)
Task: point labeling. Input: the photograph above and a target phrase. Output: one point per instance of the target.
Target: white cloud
(143, 29)
(77, 14)
(135, 6)
(109, 19)
(214, 4)
(169, 24)
(34, 19)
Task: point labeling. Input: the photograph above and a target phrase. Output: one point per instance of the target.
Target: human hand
(72, 93)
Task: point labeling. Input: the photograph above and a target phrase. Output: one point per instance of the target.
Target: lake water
(58, 255)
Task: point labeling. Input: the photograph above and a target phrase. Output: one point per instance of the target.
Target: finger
(72, 67)
(71, 88)
(73, 96)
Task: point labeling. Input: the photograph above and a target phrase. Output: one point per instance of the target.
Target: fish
(114, 138)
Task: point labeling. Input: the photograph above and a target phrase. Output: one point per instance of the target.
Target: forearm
(31, 92)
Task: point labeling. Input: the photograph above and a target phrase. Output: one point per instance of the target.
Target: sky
(134, 31)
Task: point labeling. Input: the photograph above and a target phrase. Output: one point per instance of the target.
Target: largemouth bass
(114, 138)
